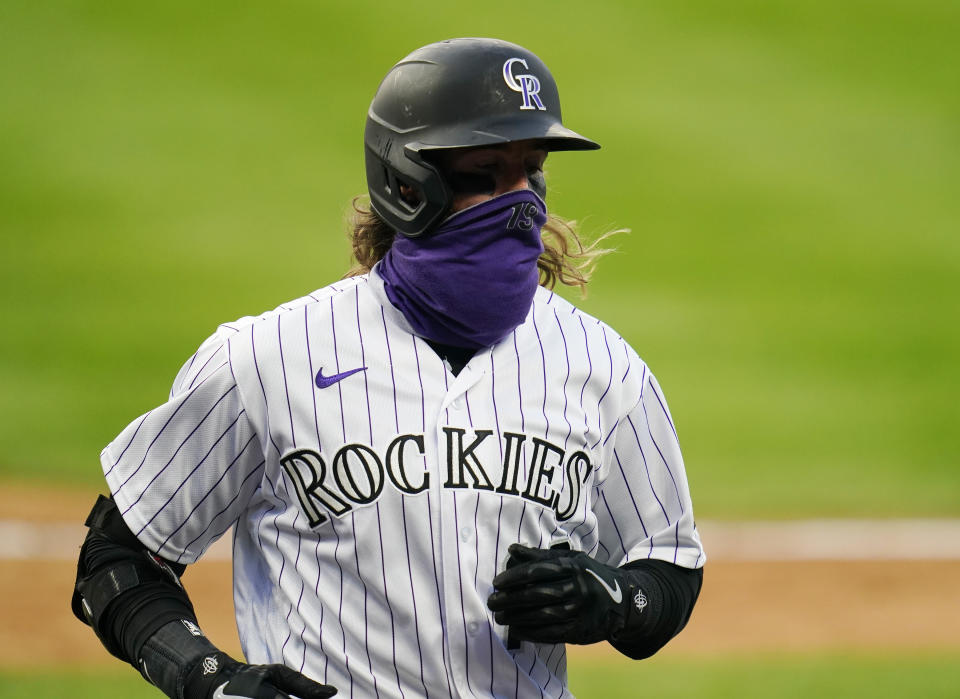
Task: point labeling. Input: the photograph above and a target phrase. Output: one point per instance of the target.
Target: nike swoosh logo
(614, 592)
(220, 694)
(327, 381)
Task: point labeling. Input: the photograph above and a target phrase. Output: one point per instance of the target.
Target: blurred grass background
(761, 677)
(788, 170)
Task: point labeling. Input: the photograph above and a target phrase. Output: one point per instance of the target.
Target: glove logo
(528, 84)
(220, 694)
(640, 600)
(614, 591)
(191, 627)
(210, 665)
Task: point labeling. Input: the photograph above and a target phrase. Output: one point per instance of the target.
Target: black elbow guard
(122, 590)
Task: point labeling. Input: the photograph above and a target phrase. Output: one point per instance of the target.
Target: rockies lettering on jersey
(317, 486)
(373, 494)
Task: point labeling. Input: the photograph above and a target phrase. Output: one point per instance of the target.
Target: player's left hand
(271, 682)
(219, 676)
(559, 596)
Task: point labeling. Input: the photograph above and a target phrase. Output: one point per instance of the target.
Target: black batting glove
(560, 596)
(218, 676)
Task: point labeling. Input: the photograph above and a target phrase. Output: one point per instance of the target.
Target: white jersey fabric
(373, 493)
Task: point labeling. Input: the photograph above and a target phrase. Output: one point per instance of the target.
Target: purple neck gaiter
(470, 282)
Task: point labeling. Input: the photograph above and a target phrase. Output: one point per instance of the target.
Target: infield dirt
(755, 606)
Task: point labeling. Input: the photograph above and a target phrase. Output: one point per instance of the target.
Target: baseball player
(437, 472)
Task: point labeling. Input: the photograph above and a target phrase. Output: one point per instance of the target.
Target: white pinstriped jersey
(375, 493)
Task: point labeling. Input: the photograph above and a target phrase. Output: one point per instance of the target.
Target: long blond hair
(565, 257)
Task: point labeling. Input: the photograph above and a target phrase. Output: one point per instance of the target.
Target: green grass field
(837, 677)
(785, 168)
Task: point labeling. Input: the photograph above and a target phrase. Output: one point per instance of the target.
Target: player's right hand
(559, 596)
(222, 677)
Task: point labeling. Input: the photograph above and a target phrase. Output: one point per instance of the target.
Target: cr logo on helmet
(527, 83)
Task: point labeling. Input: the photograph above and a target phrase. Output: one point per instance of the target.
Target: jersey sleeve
(644, 508)
(184, 472)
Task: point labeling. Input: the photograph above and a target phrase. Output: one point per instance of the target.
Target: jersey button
(457, 403)
(472, 628)
(466, 534)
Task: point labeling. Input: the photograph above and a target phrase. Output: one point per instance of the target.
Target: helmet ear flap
(398, 168)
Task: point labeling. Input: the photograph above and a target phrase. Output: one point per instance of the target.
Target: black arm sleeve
(663, 598)
(125, 592)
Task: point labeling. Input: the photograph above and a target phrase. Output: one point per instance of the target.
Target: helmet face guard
(454, 94)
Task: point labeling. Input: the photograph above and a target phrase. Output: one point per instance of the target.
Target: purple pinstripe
(403, 511)
(476, 568)
(413, 595)
(536, 653)
(523, 422)
(356, 553)
(293, 438)
(336, 359)
(366, 618)
(433, 549)
(436, 579)
(606, 390)
(296, 564)
(523, 507)
(496, 413)
(276, 517)
(256, 365)
(343, 632)
(200, 373)
(263, 515)
(623, 546)
(556, 667)
(543, 364)
(633, 500)
(286, 387)
(446, 386)
(566, 354)
(383, 564)
(393, 379)
(316, 552)
(626, 357)
(493, 399)
(663, 407)
(463, 609)
(363, 361)
(423, 409)
(496, 552)
(316, 592)
(586, 349)
(336, 549)
(476, 509)
(143, 419)
(193, 359)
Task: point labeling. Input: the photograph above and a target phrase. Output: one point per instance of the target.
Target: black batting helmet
(454, 94)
